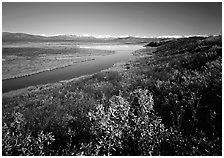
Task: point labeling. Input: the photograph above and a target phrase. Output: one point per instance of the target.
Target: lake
(122, 53)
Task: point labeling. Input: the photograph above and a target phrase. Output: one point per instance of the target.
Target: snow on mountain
(7, 36)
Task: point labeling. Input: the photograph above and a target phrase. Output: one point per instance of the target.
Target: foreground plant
(125, 127)
(16, 143)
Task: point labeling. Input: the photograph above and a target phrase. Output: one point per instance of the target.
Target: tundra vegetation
(166, 103)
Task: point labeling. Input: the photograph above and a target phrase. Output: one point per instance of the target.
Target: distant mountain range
(24, 37)
(16, 37)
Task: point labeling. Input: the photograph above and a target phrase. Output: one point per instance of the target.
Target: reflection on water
(123, 52)
(111, 47)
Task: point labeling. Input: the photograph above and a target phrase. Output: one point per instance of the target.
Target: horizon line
(119, 36)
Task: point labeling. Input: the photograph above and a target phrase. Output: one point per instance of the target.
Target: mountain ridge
(18, 37)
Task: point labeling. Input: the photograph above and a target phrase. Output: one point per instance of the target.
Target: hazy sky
(143, 19)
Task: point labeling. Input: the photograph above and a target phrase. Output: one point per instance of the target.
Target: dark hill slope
(16, 37)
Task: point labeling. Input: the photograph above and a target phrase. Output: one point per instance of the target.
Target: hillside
(8, 37)
(168, 102)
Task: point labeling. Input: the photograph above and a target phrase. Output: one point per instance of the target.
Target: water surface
(123, 53)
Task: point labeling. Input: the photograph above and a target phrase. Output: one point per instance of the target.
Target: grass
(168, 103)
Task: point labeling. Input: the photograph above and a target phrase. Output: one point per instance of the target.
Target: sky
(113, 18)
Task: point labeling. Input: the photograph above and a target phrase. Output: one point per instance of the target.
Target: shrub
(16, 143)
(124, 128)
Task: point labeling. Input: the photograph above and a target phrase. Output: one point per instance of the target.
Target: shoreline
(31, 89)
(119, 66)
(45, 70)
(54, 68)
(116, 67)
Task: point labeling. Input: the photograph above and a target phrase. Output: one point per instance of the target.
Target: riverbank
(33, 72)
(25, 61)
(117, 67)
(104, 57)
